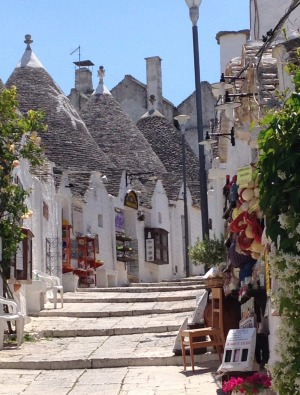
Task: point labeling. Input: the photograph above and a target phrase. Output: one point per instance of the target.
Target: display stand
(86, 261)
(124, 250)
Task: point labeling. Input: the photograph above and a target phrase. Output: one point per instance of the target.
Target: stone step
(108, 329)
(86, 313)
(110, 326)
(146, 288)
(119, 297)
(100, 310)
(179, 283)
(147, 349)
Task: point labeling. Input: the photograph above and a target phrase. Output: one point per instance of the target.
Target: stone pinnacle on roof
(152, 111)
(152, 99)
(28, 40)
(29, 58)
(101, 88)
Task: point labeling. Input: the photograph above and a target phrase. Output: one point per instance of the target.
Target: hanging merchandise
(226, 187)
(233, 192)
(246, 220)
(230, 192)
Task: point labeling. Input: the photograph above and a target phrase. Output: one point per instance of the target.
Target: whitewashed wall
(195, 232)
(150, 272)
(98, 211)
(215, 200)
(40, 191)
(176, 253)
(282, 56)
(265, 14)
(42, 228)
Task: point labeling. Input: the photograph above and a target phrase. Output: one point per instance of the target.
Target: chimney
(154, 82)
(231, 45)
(83, 80)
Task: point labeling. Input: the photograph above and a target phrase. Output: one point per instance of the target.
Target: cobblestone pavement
(150, 380)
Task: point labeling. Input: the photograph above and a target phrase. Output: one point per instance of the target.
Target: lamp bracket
(229, 136)
(232, 77)
(242, 94)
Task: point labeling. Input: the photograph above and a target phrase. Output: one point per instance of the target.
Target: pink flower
(249, 385)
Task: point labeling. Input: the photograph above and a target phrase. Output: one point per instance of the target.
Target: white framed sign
(239, 350)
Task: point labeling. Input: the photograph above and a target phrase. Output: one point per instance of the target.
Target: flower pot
(264, 392)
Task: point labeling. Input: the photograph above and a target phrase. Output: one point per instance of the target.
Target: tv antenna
(79, 53)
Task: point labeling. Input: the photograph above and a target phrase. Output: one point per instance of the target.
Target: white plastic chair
(53, 285)
(13, 315)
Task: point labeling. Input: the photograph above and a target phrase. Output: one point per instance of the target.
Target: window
(100, 221)
(156, 246)
(46, 211)
(159, 218)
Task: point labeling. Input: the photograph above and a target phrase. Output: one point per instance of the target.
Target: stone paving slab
(96, 351)
(109, 326)
(150, 380)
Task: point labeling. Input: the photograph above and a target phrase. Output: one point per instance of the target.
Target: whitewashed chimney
(231, 43)
(154, 82)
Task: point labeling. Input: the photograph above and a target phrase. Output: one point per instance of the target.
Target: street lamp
(194, 15)
(182, 120)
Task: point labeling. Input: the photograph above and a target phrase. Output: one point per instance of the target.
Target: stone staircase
(111, 327)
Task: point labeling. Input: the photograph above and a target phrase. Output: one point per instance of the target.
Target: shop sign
(149, 247)
(239, 350)
(131, 200)
(244, 176)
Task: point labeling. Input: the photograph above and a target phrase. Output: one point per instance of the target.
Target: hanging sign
(131, 200)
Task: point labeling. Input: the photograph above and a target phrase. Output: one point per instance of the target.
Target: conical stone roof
(67, 142)
(165, 140)
(118, 136)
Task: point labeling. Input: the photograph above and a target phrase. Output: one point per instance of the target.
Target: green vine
(279, 164)
(18, 141)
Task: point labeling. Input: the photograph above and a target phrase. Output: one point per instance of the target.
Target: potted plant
(210, 252)
(255, 384)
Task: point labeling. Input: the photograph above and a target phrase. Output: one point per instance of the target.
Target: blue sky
(119, 34)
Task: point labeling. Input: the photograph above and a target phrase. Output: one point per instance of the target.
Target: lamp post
(194, 15)
(182, 120)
